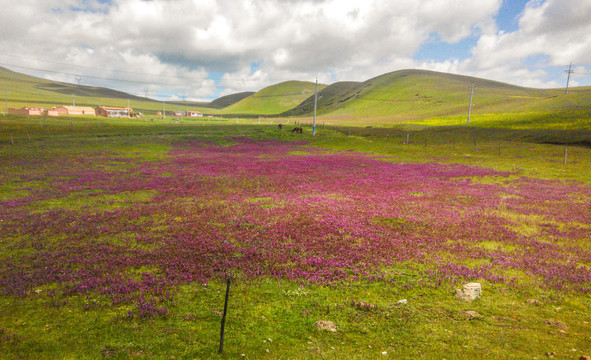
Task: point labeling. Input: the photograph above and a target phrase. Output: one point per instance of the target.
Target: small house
(112, 111)
(26, 111)
(194, 113)
(74, 110)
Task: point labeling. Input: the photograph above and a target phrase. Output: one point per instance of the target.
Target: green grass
(279, 316)
(275, 320)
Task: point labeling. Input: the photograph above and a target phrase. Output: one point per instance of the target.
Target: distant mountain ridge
(398, 95)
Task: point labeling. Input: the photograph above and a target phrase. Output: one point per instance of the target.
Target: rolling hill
(24, 90)
(432, 98)
(420, 94)
(274, 99)
(228, 100)
(329, 98)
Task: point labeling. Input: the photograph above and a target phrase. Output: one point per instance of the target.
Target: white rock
(326, 325)
(469, 292)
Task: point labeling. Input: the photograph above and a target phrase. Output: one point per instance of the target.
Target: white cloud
(177, 45)
(556, 31)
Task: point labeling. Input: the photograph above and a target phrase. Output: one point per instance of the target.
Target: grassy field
(117, 237)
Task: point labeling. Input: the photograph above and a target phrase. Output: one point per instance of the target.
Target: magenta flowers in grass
(131, 230)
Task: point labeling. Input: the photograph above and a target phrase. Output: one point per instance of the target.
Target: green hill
(420, 96)
(434, 98)
(417, 94)
(228, 100)
(274, 99)
(24, 90)
(329, 99)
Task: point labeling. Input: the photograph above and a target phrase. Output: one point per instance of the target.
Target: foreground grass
(275, 320)
(523, 321)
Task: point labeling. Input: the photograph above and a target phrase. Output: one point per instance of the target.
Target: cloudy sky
(203, 49)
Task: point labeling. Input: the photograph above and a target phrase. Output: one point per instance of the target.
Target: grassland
(116, 235)
(99, 200)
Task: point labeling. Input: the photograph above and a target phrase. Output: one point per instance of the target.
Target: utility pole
(163, 109)
(470, 108)
(73, 101)
(146, 91)
(315, 102)
(569, 71)
(78, 79)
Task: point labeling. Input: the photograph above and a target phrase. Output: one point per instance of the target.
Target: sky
(200, 50)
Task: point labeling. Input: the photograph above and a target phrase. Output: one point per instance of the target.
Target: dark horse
(279, 126)
(297, 130)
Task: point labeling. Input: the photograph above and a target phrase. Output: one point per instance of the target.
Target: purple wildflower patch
(280, 210)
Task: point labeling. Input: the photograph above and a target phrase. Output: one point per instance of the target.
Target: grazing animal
(279, 126)
(297, 130)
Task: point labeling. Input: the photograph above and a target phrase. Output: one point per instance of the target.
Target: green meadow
(274, 318)
(92, 208)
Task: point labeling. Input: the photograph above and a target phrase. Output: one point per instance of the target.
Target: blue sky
(507, 20)
(203, 49)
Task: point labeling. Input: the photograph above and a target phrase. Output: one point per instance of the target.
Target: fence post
(221, 349)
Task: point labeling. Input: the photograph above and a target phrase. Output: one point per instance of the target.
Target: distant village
(105, 111)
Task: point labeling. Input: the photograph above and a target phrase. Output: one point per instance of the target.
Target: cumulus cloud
(555, 32)
(208, 48)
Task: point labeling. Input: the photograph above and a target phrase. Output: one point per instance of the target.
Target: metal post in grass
(315, 102)
(221, 349)
(565, 152)
(5, 102)
(470, 108)
(28, 136)
(407, 135)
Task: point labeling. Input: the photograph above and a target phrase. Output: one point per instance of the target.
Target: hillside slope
(24, 90)
(228, 100)
(420, 94)
(329, 98)
(274, 99)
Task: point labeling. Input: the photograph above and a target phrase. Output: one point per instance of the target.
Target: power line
(102, 69)
(122, 71)
(72, 74)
